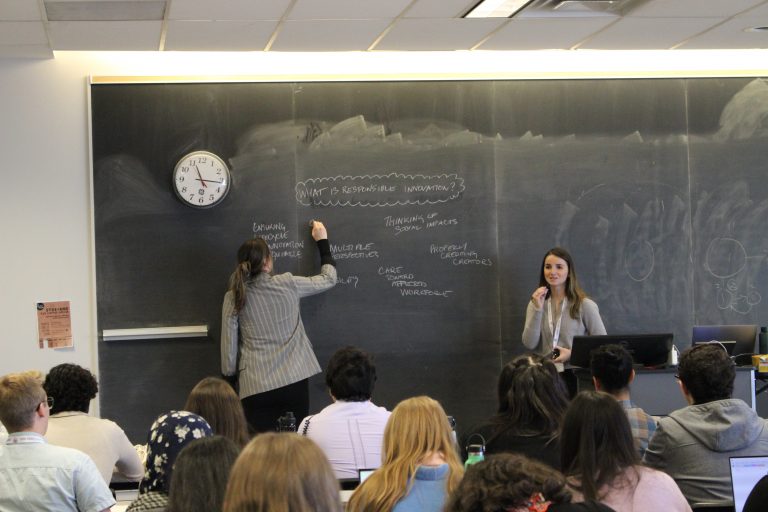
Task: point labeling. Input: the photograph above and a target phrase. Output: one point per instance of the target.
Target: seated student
(420, 465)
(200, 475)
(532, 401)
(72, 389)
(601, 461)
(35, 475)
(282, 473)
(169, 434)
(215, 400)
(612, 372)
(694, 444)
(514, 483)
(349, 430)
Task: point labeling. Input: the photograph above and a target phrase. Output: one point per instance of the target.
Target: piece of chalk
(312, 223)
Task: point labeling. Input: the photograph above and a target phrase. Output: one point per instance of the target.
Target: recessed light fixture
(496, 8)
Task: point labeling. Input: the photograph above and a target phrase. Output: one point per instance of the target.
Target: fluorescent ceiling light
(496, 8)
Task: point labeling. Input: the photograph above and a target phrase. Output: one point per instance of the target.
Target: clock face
(201, 179)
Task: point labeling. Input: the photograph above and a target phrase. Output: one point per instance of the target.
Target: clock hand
(200, 179)
(213, 181)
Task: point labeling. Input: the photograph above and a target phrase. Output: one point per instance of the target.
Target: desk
(658, 393)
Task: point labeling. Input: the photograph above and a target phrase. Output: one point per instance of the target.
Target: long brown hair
(200, 475)
(536, 398)
(573, 291)
(417, 427)
(596, 443)
(282, 472)
(216, 401)
(251, 257)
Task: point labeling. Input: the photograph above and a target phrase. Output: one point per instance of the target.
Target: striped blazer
(265, 344)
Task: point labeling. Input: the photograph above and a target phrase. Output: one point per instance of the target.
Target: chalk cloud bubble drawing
(746, 115)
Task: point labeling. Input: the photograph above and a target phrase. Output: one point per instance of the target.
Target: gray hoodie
(693, 445)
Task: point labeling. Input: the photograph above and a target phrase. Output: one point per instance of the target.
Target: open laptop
(729, 346)
(745, 473)
(362, 474)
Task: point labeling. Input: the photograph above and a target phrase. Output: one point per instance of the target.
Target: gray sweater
(693, 445)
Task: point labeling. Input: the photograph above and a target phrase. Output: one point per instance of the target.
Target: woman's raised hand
(538, 297)
(318, 231)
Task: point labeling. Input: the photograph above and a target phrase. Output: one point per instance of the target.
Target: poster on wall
(54, 324)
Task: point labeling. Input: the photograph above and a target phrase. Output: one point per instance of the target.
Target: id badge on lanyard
(555, 329)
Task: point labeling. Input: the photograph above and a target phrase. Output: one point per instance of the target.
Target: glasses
(48, 401)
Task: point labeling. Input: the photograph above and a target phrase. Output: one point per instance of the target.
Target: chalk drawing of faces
(726, 260)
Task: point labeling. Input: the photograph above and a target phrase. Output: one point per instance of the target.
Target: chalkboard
(441, 199)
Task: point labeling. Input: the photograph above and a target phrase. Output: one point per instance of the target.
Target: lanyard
(555, 329)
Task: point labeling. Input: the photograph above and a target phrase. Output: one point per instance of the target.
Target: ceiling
(37, 28)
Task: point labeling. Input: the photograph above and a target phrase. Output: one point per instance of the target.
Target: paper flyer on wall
(54, 324)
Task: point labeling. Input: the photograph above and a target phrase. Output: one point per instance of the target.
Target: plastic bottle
(286, 423)
(763, 340)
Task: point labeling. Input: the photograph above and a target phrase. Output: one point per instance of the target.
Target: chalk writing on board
(639, 260)
(726, 259)
(459, 254)
(348, 281)
(417, 222)
(408, 284)
(391, 189)
(355, 251)
(276, 236)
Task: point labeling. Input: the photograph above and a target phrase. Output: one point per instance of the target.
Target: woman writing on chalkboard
(559, 310)
(262, 336)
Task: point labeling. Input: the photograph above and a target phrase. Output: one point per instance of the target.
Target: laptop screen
(364, 473)
(745, 472)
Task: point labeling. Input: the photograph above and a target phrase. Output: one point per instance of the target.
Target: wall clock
(201, 179)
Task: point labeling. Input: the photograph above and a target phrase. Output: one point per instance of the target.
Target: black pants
(262, 410)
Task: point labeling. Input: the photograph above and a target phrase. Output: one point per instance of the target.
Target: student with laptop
(350, 430)
(694, 444)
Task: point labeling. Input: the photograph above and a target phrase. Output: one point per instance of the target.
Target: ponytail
(251, 257)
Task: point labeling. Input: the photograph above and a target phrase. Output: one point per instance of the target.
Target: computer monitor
(745, 336)
(649, 350)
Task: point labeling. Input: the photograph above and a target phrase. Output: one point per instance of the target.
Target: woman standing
(262, 336)
(559, 310)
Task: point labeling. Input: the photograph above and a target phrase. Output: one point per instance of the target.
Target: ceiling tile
(19, 10)
(693, 8)
(439, 8)
(105, 35)
(730, 35)
(25, 51)
(540, 33)
(328, 35)
(101, 10)
(235, 10)
(346, 9)
(444, 34)
(22, 33)
(218, 35)
(647, 33)
(759, 12)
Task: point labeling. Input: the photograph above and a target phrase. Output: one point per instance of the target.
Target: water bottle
(475, 452)
(763, 340)
(287, 422)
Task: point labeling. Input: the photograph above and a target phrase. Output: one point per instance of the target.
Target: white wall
(45, 224)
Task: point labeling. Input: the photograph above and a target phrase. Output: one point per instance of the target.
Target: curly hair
(71, 386)
(506, 481)
(707, 372)
(350, 375)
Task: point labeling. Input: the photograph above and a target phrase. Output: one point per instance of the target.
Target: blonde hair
(20, 396)
(282, 473)
(418, 427)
